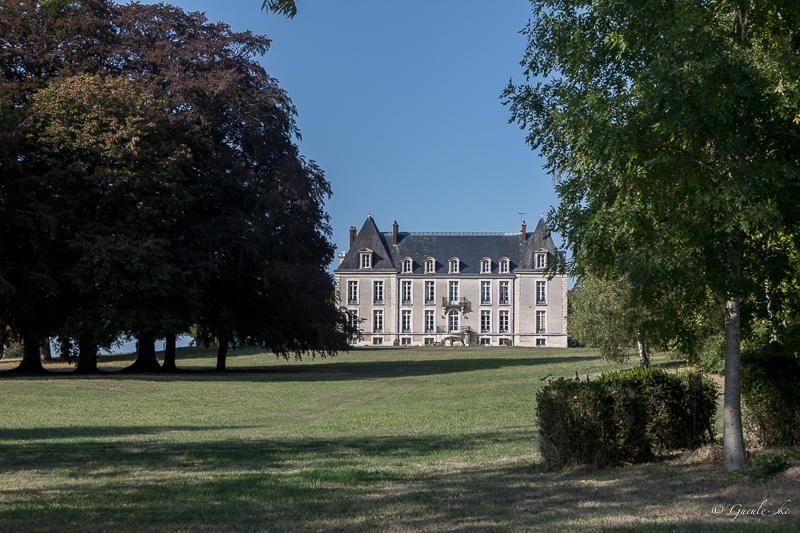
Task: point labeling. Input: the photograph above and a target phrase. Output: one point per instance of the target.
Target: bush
(770, 395)
(584, 422)
(622, 416)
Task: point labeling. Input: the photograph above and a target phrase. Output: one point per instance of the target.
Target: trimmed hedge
(771, 396)
(621, 417)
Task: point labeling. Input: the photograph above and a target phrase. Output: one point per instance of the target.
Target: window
(541, 342)
(406, 292)
(454, 265)
(405, 341)
(430, 292)
(486, 292)
(504, 266)
(366, 259)
(406, 266)
(430, 266)
(453, 292)
(486, 321)
(504, 342)
(377, 292)
(377, 321)
(352, 316)
(405, 321)
(503, 296)
(428, 341)
(486, 266)
(502, 325)
(541, 293)
(541, 260)
(485, 341)
(453, 321)
(377, 341)
(541, 322)
(429, 321)
(352, 292)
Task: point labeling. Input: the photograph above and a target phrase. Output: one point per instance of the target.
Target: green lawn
(391, 439)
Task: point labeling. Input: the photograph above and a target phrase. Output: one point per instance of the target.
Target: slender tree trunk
(31, 358)
(644, 359)
(222, 352)
(2, 349)
(44, 350)
(169, 354)
(770, 315)
(87, 357)
(733, 454)
(146, 359)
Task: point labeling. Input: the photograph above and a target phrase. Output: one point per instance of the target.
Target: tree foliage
(669, 129)
(160, 182)
(599, 318)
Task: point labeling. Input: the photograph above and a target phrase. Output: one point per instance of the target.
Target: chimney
(524, 235)
(394, 233)
(352, 235)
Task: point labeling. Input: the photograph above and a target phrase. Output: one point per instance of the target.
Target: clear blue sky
(399, 104)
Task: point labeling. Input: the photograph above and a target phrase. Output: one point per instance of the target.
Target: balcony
(459, 303)
(461, 331)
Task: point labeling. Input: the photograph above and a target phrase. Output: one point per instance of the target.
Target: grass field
(391, 439)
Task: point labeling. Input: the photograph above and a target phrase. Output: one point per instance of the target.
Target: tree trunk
(644, 359)
(222, 352)
(31, 358)
(146, 358)
(44, 350)
(169, 354)
(733, 452)
(87, 357)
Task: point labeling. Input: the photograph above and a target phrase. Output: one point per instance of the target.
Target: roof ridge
(457, 233)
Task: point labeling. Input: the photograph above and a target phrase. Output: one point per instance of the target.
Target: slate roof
(469, 248)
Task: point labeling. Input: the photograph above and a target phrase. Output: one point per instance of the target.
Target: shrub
(771, 397)
(622, 416)
(585, 422)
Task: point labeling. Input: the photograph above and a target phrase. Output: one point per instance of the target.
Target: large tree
(114, 189)
(256, 234)
(668, 128)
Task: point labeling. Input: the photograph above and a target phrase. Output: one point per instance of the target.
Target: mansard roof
(369, 237)
(469, 248)
(540, 240)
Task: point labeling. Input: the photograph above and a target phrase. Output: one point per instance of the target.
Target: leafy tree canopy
(668, 127)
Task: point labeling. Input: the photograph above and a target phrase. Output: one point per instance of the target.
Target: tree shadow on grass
(370, 484)
(334, 371)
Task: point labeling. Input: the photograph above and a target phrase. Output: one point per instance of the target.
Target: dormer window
(486, 266)
(455, 265)
(365, 258)
(407, 266)
(430, 265)
(541, 261)
(504, 266)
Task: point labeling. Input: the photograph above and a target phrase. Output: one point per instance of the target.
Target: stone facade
(453, 288)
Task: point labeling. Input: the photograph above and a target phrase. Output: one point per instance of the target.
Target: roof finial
(541, 214)
(369, 214)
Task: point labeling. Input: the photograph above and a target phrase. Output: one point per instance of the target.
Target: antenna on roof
(520, 216)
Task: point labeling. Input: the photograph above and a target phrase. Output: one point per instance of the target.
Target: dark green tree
(256, 235)
(114, 189)
(668, 127)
